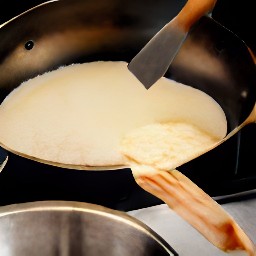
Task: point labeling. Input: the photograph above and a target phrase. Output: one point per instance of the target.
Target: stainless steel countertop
(185, 239)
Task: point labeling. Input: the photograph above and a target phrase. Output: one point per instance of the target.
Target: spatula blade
(152, 62)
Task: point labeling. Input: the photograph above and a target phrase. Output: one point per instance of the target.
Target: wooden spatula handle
(192, 11)
(197, 208)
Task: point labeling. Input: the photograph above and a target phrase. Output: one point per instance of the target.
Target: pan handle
(192, 11)
(3, 158)
(197, 208)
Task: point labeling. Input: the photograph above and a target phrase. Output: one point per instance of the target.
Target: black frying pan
(224, 70)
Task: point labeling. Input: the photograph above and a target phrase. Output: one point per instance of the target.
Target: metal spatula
(153, 60)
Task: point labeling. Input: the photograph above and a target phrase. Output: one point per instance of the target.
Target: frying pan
(59, 33)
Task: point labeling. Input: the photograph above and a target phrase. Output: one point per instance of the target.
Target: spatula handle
(197, 208)
(192, 11)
